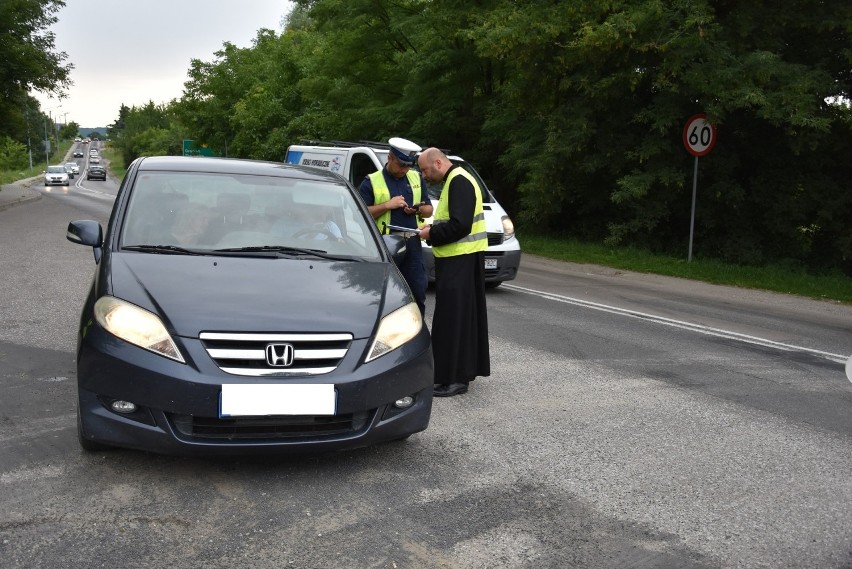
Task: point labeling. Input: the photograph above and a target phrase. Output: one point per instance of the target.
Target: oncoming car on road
(242, 306)
(56, 176)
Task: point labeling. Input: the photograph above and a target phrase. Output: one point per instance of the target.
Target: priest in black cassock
(459, 240)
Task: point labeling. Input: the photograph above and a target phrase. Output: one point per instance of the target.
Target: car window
(56, 169)
(217, 211)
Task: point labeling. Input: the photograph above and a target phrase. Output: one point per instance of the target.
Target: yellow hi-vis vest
(477, 240)
(381, 193)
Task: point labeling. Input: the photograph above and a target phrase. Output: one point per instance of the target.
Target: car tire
(88, 445)
(493, 284)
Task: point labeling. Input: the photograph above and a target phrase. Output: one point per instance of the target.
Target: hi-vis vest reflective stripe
(381, 193)
(477, 240)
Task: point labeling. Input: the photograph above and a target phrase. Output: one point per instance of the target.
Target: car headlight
(395, 329)
(135, 325)
(508, 228)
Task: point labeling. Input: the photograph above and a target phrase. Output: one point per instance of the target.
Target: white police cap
(404, 150)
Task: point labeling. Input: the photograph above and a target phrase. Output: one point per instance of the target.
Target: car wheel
(493, 284)
(87, 445)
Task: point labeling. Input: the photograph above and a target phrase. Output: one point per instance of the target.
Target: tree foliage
(148, 130)
(572, 110)
(30, 62)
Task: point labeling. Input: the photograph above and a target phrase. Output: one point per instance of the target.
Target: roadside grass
(39, 165)
(115, 160)
(836, 287)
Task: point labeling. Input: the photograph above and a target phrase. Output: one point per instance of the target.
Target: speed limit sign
(699, 136)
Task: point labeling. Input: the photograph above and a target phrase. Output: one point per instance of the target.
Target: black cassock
(460, 320)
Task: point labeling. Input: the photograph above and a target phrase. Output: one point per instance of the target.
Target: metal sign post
(699, 137)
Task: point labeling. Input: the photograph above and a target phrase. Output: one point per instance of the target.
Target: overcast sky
(133, 52)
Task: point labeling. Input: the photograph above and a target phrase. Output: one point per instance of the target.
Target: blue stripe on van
(293, 157)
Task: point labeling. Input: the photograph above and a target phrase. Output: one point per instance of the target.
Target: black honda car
(242, 306)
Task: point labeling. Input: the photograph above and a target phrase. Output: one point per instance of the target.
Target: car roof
(234, 166)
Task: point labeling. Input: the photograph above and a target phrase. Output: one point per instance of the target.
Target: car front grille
(257, 354)
(290, 427)
(495, 239)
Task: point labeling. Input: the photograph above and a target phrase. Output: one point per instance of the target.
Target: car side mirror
(87, 232)
(396, 247)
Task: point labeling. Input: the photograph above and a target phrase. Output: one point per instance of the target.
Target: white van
(354, 161)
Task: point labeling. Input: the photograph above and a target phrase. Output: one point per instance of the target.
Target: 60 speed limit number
(699, 136)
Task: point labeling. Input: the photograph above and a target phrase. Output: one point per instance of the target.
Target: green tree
(13, 154)
(214, 88)
(30, 62)
(590, 120)
(149, 130)
(573, 110)
(70, 130)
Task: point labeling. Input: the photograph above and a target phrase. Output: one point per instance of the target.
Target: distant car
(56, 176)
(78, 139)
(245, 307)
(86, 141)
(96, 173)
(94, 160)
(78, 154)
(73, 168)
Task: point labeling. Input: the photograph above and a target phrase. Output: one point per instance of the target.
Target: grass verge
(116, 162)
(773, 278)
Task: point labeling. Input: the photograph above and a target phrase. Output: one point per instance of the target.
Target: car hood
(193, 294)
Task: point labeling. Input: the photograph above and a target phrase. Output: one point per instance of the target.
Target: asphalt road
(630, 421)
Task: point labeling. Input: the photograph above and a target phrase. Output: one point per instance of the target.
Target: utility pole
(29, 146)
(56, 129)
(55, 133)
(46, 148)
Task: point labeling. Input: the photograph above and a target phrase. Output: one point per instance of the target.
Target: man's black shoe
(450, 389)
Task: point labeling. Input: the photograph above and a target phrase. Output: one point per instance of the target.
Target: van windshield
(435, 189)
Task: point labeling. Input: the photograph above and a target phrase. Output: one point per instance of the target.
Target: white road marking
(701, 329)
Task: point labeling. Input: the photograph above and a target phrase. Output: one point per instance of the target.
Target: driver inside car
(308, 222)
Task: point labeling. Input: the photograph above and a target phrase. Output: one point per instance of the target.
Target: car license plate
(276, 399)
(490, 263)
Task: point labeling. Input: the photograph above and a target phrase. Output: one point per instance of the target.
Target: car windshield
(209, 212)
(56, 169)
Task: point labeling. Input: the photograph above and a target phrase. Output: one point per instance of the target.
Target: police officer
(396, 195)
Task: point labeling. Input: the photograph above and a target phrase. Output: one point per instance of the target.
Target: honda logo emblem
(280, 355)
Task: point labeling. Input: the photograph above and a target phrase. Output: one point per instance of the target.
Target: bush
(13, 155)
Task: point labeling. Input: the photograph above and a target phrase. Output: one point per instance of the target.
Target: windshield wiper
(167, 249)
(286, 251)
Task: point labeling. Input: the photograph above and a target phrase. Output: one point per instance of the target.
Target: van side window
(361, 166)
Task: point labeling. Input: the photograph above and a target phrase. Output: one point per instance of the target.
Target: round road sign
(699, 136)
